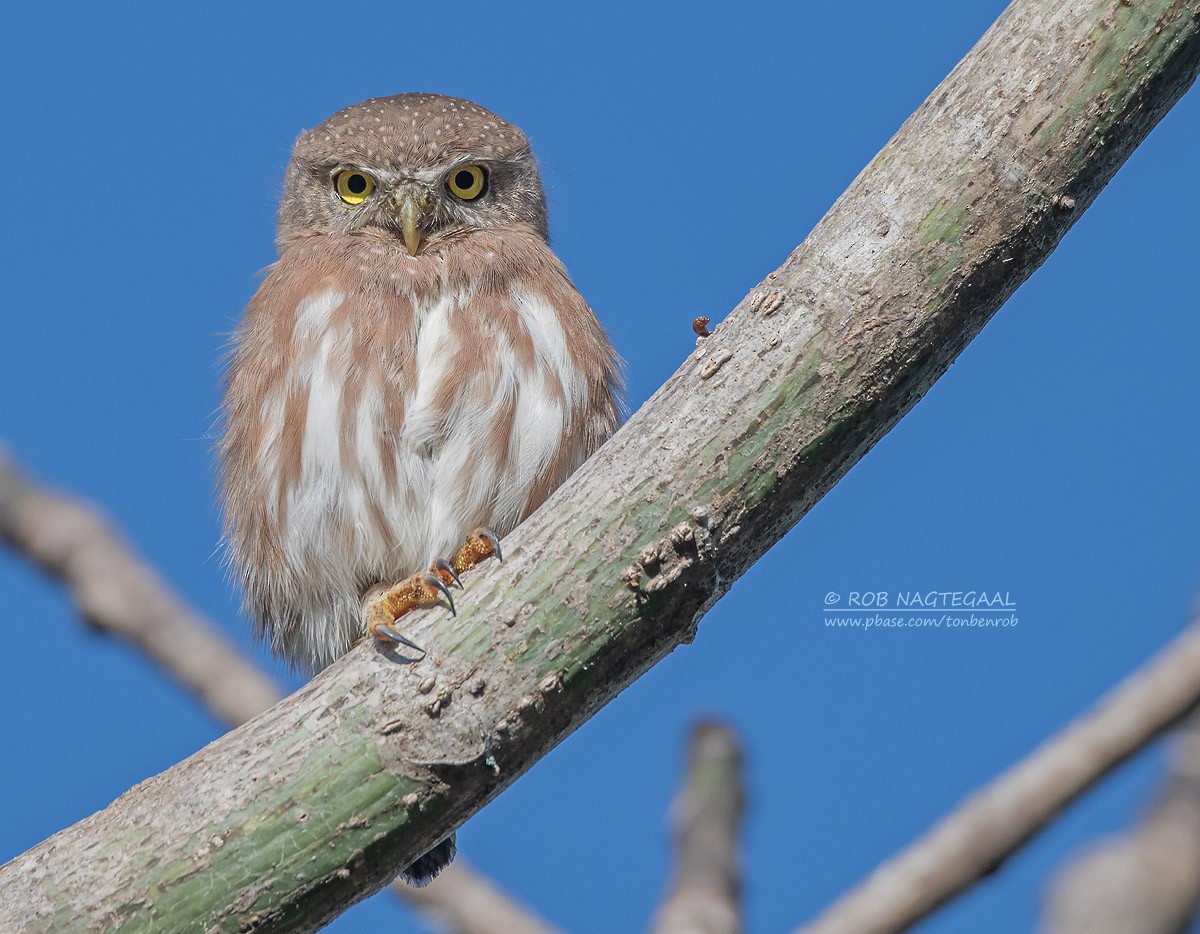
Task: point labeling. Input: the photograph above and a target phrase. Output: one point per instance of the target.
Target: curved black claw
(491, 537)
(396, 637)
(441, 564)
(434, 581)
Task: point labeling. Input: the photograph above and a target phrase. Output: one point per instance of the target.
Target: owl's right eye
(353, 187)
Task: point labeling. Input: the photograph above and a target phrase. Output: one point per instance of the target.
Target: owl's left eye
(353, 187)
(467, 182)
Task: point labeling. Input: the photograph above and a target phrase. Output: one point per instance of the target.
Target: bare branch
(991, 825)
(319, 801)
(120, 594)
(705, 895)
(1148, 881)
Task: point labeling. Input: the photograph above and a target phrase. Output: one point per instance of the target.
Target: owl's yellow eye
(353, 187)
(467, 182)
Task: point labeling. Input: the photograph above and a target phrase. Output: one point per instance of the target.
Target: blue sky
(686, 148)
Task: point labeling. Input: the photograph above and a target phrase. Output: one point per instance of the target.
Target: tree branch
(284, 822)
(991, 825)
(120, 594)
(705, 894)
(1147, 881)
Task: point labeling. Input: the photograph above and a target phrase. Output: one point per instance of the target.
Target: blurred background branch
(975, 839)
(705, 895)
(1148, 880)
(119, 594)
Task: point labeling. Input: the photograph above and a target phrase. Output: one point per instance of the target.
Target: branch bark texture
(316, 803)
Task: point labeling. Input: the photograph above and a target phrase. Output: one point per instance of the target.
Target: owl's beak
(408, 204)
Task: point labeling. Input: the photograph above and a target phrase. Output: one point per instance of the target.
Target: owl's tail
(426, 867)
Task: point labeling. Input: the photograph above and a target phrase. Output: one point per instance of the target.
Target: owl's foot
(382, 607)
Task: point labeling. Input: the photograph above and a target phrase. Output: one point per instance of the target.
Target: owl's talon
(442, 566)
(492, 539)
(390, 633)
(436, 582)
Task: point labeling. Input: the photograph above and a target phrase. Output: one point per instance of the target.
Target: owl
(414, 376)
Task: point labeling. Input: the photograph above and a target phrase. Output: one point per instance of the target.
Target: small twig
(982, 832)
(705, 895)
(119, 594)
(1147, 881)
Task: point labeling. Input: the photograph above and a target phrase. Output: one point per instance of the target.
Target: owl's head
(420, 168)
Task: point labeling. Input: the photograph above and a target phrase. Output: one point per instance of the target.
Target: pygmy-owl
(415, 367)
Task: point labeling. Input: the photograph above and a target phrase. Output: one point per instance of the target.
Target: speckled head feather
(420, 130)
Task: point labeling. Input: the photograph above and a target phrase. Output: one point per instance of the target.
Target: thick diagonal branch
(318, 802)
